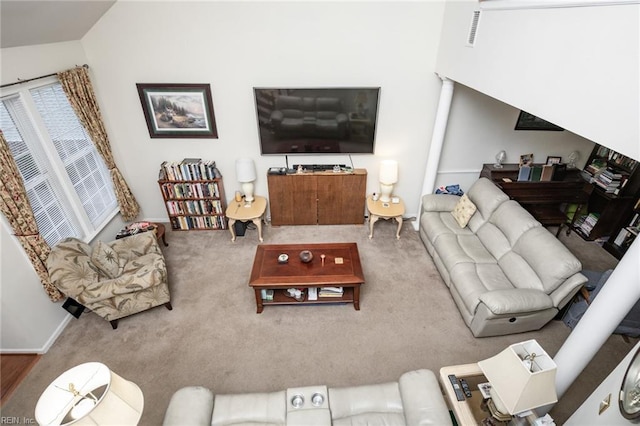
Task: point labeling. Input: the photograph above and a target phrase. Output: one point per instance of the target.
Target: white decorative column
(437, 140)
(605, 313)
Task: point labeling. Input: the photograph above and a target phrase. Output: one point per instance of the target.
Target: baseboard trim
(48, 344)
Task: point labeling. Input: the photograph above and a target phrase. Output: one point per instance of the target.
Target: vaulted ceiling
(24, 23)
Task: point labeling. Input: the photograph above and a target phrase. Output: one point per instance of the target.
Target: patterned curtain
(17, 209)
(79, 91)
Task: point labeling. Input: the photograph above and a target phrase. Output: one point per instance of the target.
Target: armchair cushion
(106, 260)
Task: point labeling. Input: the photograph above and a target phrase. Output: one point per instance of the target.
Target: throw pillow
(463, 211)
(106, 260)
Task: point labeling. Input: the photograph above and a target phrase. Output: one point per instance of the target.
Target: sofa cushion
(250, 408)
(367, 405)
(538, 246)
(463, 211)
(472, 280)
(487, 197)
(106, 259)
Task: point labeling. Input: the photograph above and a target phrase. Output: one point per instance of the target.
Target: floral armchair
(114, 279)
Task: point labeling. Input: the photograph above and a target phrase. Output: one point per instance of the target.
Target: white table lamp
(246, 174)
(388, 176)
(522, 377)
(90, 394)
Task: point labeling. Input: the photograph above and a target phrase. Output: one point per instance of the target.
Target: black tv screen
(317, 120)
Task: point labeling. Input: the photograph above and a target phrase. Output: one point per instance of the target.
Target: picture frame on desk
(551, 160)
(526, 160)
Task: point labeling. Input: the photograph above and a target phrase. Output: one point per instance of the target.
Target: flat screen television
(317, 120)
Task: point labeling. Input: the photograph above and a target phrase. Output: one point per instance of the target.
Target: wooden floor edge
(9, 388)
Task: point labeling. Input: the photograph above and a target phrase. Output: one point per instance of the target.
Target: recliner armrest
(190, 406)
(439, 202)
(517, 300)
(422, 399)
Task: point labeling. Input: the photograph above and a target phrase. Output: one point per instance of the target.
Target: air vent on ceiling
(473, 31)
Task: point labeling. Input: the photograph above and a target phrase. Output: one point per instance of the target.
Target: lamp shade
(388, 172)
(245, 170)
(522, 377)
(90, 394)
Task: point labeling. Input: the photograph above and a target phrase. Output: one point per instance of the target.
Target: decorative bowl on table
(306, 256)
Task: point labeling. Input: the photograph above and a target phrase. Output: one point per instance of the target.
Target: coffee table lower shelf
(280, 297)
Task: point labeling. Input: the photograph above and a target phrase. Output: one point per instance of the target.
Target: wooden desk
(543, 199)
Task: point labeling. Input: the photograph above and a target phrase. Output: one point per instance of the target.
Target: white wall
(576, 67)
(237, 46)
(480, 126)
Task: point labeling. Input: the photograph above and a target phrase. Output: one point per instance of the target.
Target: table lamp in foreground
(90, 394)
(522, 377)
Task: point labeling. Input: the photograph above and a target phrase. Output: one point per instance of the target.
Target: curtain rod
(20, 81)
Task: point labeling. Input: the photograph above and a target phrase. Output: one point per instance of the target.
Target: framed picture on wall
(178, 110)
(528, 121)
(553, 160)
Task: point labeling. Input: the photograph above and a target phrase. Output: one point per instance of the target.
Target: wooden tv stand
(322, 198)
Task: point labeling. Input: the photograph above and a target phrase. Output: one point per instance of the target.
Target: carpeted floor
(214, 338)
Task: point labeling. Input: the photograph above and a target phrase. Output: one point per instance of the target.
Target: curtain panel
(77, 86)
(17, 209)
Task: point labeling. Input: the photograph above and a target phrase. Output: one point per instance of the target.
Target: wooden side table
(379, 210)
(245, 212)
(469, 411)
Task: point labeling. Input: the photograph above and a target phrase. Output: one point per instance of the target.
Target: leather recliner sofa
(296, 116)
(415, 399)
(506, 272)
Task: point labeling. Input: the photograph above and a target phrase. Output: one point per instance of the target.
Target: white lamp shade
(388, 172)
(245, 170)
(518, 385)
(118, 401)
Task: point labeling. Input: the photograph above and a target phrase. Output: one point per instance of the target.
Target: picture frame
(526, 160)
(178, 110)
(551, 160)
(528, 121)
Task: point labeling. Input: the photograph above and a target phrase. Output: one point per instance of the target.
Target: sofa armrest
(190, 406)
(422, 399)
(517, 300)
(439, 202)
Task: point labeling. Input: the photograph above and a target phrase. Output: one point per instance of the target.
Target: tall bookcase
(616, 182)
(193, 194)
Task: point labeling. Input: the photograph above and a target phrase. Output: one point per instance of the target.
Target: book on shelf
(536, 173)
(189, 169)
(547, 173)
(524, 173)
(330, 292)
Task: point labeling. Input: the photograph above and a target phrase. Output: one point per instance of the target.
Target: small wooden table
(245, 212)
(341, 268)
(380, 210)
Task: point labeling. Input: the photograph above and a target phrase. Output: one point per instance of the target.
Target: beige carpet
(214, 338)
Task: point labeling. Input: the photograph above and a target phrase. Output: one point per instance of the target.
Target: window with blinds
(67, 182)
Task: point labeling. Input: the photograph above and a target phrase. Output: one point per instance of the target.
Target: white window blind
(71, 194)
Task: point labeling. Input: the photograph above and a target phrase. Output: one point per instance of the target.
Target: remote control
(456, 387)
(465, 388)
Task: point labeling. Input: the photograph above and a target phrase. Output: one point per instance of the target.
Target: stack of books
(609, 180)
(330, 292)
(586, 223)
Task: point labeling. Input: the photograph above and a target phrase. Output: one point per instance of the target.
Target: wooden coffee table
(341, 268)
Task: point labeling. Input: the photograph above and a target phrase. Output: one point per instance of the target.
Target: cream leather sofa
(505, 271)
(414, 400)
